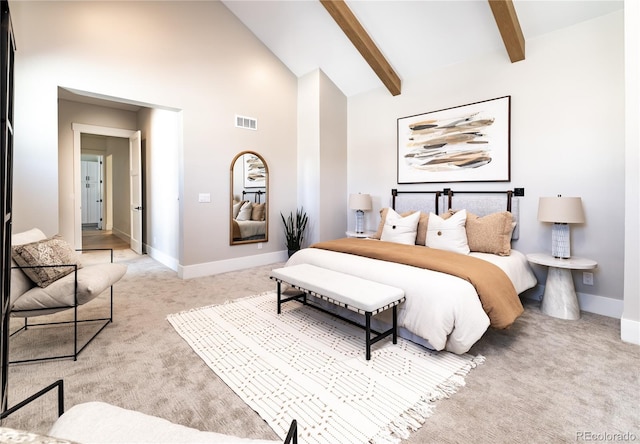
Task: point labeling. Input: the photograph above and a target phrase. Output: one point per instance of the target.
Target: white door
(135, 178)
(91, 193)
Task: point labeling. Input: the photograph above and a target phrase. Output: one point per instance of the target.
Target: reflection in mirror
(249, 199)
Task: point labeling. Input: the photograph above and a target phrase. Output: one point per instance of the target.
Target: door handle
(138, 208)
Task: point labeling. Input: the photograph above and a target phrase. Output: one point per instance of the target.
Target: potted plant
(294, 230)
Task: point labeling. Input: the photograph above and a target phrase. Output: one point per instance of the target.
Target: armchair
(47, 277)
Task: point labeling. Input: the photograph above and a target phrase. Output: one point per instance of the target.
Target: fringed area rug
(308, 366)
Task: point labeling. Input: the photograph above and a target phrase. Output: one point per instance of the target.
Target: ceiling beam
(507, 20)
(350, 25)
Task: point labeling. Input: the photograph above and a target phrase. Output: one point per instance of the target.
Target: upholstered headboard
(425, 201)
(480, 203)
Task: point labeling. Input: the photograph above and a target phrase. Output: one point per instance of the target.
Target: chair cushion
(98, 422)
(92, 281)
(28, 236)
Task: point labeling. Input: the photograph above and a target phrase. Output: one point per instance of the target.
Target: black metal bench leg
(279, 296)
(395, 324)
(368, 333)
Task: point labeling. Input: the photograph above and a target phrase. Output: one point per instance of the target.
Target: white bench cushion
(352, 291)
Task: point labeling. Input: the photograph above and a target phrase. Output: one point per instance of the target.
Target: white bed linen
(443, 310)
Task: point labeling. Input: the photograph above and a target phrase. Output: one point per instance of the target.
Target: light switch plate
(204, 197)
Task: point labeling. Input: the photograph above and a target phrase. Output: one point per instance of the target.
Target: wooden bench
(356, 294)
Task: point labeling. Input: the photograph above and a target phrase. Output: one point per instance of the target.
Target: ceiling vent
(246, 122)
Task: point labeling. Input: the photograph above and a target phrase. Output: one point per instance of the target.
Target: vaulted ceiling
(364, 44)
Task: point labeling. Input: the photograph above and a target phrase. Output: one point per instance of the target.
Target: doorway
(91, 178)
(110, 212)
(97, 195)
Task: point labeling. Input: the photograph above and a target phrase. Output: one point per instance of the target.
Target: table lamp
(360, 203)
(561, 211)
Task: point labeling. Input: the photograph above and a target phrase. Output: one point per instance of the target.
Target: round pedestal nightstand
(559, 299)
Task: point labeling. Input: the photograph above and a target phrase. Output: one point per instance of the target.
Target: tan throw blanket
(496, 291)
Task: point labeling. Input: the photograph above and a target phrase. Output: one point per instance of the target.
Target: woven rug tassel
(408, 422)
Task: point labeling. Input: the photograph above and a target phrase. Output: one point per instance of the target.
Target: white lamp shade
(562, 210)
(360, 202)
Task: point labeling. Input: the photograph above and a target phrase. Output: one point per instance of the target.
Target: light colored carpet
(311, 367)
(544, 380)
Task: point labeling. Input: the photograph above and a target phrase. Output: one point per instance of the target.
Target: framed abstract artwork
(254, 171)
(467, 143)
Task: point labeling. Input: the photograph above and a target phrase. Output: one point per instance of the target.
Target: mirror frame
(266, 201)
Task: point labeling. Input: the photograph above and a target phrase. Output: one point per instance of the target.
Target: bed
(451, 303)
(249, 229)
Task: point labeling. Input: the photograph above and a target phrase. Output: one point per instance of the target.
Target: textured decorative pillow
(245, 211)
(402, 230)
(257, 211)
(20, 282)
(490, 233)
(448, 234)
(421, 237)
(53, 251)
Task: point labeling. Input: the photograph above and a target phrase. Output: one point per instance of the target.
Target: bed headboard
(425, 201)
(480, 203)
(256, 195)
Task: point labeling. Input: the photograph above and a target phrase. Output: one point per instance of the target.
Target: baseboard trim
(240, 263)
(121, 235)
(161, 257)
(630, 331)
(591, 303)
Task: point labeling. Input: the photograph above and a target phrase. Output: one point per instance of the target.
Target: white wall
(308, 167)
(567, 137)
(118, 148)
(161, 133)
(148, 52)
(333, 158)
(322, 156)
(630, 323)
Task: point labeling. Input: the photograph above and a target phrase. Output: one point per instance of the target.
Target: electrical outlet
(587, 278)
(259, 245)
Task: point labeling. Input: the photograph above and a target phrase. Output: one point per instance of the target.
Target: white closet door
(90, 192)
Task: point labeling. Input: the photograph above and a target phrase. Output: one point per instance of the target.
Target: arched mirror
(249, 199)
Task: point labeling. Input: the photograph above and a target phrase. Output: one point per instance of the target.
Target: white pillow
(448, 234)
(236, 208)
(401, 230)
(245, 211)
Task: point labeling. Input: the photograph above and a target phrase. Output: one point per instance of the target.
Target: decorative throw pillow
(245, 211)
(402, 230)
(236, 207)
(257, 211)
(421, 236)
(52, 251)
(383, 217)
(490, 233)
(448, 234)
(423, 224)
